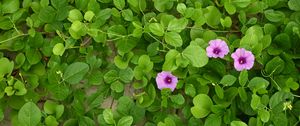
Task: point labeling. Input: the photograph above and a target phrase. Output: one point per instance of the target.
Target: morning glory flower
(165, 79)
(243, 59)
(217, 48)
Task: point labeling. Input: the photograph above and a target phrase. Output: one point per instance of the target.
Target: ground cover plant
(149, 62)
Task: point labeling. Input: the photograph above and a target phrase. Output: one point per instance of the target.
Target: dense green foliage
(94, 62)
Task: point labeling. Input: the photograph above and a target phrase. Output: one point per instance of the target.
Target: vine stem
(17, 36)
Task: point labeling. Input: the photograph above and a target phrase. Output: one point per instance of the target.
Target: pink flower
(165, 79)
(217, 48)
(243, 59)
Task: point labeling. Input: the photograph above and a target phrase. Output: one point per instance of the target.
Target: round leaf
(29, 114)
(202, 105)
(58, 49)
(196, 55)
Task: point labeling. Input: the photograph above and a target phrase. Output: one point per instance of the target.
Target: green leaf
(111, 76)
(49, 107)
(51, 121)
(243, 78)
(127, 15)
(59, 110)
(190, 90)
(29, 114)
(163, 5)
(275, 66)
(264, 115)
(283, 41)
(145, 63)
(228, 80)
(125, 121)
(122, 62)
(294, 5)
(5, 23)
(170, 60)
(6, 67)
(116, 31)
(280, 119)
(196, 55)
(173, 39)
(212, 16)
(117, 86)
(230, 8)
(120, 4)
(238, 123)
(202, 105)
(59, 4)
(243, 94)
(47, 14)
(127, 44)
(108, 116)
(126, 75)
(274, 16)
(9, 90)
(177, 25)
(219, 91)
(1, 114)
(255, 102)
(181, 8)
(258, 83)
(213, 120)
(149, 97)
(20, 88)
(157, 29)
(137, 5)
(249, 40)
(177, 99)
(75, 72)
(10, 6)
(241, 3)
(279, 97)
(58, 49)
(89, 15)
(19, 60)
(226, 22)
(125, 104)
(33, 56)
(292, 84)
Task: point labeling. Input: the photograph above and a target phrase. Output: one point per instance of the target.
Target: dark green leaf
(75, 72)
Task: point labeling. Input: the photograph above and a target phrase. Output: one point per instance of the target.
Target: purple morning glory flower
(165, 79)
(243, 59)
(217, 48)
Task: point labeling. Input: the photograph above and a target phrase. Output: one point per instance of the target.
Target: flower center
(168, 80)
(216, 50)
(242, 60)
